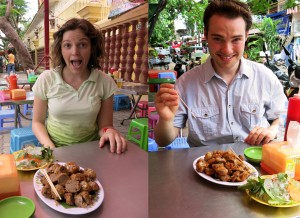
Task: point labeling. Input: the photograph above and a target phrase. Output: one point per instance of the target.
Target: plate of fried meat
(79, 189)
(224, 168)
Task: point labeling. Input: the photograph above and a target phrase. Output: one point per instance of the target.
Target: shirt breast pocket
(207, 119)
(94, 103)
(250, 115)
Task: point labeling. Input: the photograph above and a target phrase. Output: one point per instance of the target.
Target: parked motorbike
(178, 65)
(283, 77)
(294, 76)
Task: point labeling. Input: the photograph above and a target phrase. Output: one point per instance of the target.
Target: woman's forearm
(41, 133)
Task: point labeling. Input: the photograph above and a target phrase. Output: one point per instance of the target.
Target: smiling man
(228, 99)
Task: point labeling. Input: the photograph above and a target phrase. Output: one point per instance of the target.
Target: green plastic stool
(138, 132)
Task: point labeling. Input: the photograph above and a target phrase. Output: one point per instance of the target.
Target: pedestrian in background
(11, 62)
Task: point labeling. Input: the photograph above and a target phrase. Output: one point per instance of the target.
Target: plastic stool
(142, 112)
(153, 119)
(151, 109)
(121, 102)
(8, 116)
(27, 109)
(20, 137)
(139, 127)
(152, 146)
(178, 143)
(167, 75)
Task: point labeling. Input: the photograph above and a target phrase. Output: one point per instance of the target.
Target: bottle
(293, 112)
(282, 124)
(13, 84)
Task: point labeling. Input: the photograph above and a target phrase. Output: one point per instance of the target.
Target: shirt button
(231, 123)
(236, 138)
(205, 115)
(229, 106)
(254, 111)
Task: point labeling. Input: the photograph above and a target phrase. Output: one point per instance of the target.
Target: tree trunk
(22, 52)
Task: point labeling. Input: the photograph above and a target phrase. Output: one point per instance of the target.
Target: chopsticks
(44, 172)
(186, 106)
(237, 156)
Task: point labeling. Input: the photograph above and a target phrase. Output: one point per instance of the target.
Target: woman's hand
(116, 140)
(166, 102)
(51, 146)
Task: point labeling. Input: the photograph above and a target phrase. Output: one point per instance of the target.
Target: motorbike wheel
(150, 65)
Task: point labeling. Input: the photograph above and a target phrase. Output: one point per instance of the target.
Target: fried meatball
(72, 186)
(69, 198)
(46, 191)
(85, 186)
(60, 169)
(72, 167)
(90, 174)
(94, 185)
(79, 201)
(86, 197)
(77, 177)
(62, 178)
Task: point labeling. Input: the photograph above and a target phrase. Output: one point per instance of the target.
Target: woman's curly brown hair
(97, 42)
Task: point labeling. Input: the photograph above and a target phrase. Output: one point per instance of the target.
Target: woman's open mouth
(76, 64)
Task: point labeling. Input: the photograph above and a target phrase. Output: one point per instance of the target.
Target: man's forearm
(165, 133)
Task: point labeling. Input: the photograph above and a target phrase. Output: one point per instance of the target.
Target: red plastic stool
(152, 121)
(142, 112)
(151, 109)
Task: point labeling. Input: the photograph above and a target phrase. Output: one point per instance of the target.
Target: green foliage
(268, 35)
(259, 7)
(153, 53)
(190, 11)
(18, 21)
(290, 4)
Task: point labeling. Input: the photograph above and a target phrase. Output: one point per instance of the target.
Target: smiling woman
(75, 95)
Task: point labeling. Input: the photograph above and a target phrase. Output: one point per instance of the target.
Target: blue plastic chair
(178, 143)
(8, 116)
(152, 146)
(27, 109)
(20, 137)
(121, 102)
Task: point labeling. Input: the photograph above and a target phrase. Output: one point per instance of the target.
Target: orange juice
(9, 180)
(280, 157)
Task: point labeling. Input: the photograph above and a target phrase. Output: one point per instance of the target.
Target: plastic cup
(119, 83)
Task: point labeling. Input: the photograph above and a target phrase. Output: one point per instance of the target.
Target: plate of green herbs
(33, 158)
(278, 190)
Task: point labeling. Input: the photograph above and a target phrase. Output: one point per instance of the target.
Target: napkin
(293, 134)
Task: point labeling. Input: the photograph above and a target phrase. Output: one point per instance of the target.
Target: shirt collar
(243, 70)
(59, 80)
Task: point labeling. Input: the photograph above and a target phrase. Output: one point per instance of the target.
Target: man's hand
(260, 136)
(166, 101)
